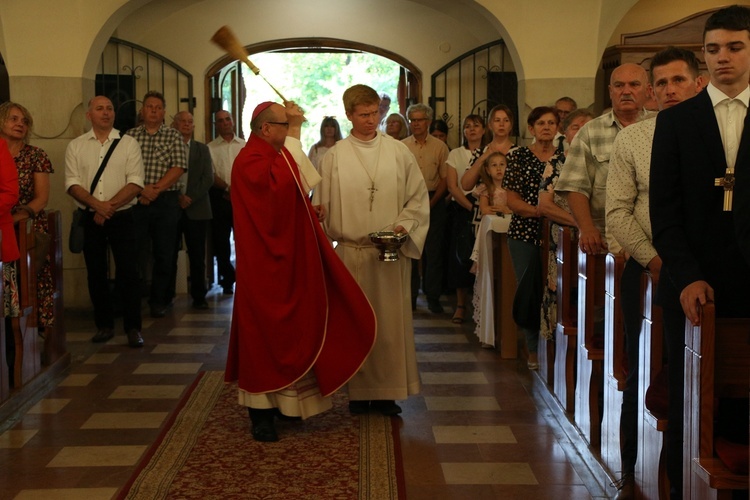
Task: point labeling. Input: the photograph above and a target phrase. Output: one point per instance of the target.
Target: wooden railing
(33, 354)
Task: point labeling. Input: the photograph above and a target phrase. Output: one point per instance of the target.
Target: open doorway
(313, 73)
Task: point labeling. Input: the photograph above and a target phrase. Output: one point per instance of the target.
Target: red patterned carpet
(206, 451)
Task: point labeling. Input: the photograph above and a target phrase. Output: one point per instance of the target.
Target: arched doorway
(225, 86)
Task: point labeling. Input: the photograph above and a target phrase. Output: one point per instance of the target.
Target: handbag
(77, 229)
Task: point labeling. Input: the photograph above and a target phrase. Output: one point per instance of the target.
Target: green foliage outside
(316, 81)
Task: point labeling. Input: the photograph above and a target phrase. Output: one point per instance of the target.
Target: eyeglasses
(283, 124)
(413, 120)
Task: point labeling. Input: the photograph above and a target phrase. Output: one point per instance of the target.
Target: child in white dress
(492, 197)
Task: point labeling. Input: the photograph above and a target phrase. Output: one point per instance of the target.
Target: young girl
(491, 195)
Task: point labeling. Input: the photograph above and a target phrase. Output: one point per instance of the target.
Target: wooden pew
(28, 347)
(650, 469)
(54, 336)
(717, 364)
(566, 333)
(546, 351)
(590, 347)
(615, 363)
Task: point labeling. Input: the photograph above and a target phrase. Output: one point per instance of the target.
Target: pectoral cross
(727, 182)
(372, 190)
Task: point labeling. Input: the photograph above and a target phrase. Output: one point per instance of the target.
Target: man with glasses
(158, 211)
(301, 326)
(431, 155)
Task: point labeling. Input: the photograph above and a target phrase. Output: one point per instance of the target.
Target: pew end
(706, 473)
(28, 345)
(650, 469)
(590, 377)
(566, 332)
(615, 363)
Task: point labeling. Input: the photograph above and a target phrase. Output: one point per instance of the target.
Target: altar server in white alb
(371, 182)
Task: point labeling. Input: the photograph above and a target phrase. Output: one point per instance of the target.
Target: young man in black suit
(698, 146)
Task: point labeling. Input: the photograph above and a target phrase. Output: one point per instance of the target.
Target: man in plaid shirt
(158, 209)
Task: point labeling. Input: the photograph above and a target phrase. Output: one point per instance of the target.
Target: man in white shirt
(109, 220)
(224, 149)
(698, 146)
(431, 155)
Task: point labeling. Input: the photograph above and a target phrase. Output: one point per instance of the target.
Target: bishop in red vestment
(301, 326)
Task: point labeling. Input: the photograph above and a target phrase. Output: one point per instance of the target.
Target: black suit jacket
(695, 238)
(200, 179)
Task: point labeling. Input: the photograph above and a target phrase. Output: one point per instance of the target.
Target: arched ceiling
(426, 32)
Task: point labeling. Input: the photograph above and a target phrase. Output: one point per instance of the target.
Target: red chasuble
(296, 306)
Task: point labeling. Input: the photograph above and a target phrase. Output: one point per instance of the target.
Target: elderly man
(158, 211)
(224, 149)
(583, 180)
(697, 145)
(301, 326)
(565, 106)
(104, 174)
(674, 78)
(195, 205)
(431, 155)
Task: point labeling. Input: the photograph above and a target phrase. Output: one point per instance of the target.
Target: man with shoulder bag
(104, 174)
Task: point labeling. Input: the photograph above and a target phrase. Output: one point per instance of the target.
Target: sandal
(458, 315)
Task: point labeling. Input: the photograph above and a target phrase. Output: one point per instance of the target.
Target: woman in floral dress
(522, 178)
(34, 168)
(555, 208)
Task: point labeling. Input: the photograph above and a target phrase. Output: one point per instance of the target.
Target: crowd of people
(668, 190)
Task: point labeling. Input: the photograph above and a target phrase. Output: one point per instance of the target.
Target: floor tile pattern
(479, 429)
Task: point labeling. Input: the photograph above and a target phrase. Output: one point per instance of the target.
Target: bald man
(108, 200)
(584, 179)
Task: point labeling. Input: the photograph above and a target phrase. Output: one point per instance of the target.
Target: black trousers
(433, 256)
(118, 233)
(630, 291)
(158, 225)
(195, 232)
(221, 230)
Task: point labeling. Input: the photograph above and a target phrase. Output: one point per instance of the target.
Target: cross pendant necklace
(372, 190)
(726, 182)
(372, 187)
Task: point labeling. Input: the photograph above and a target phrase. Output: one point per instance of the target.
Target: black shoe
(103, 335)
(134, 338)
(387, 407)
(264, 432)
(228, 290)
(158, 310)
(626, 487)
(359, 407)
(434, 306)
(200, 304)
